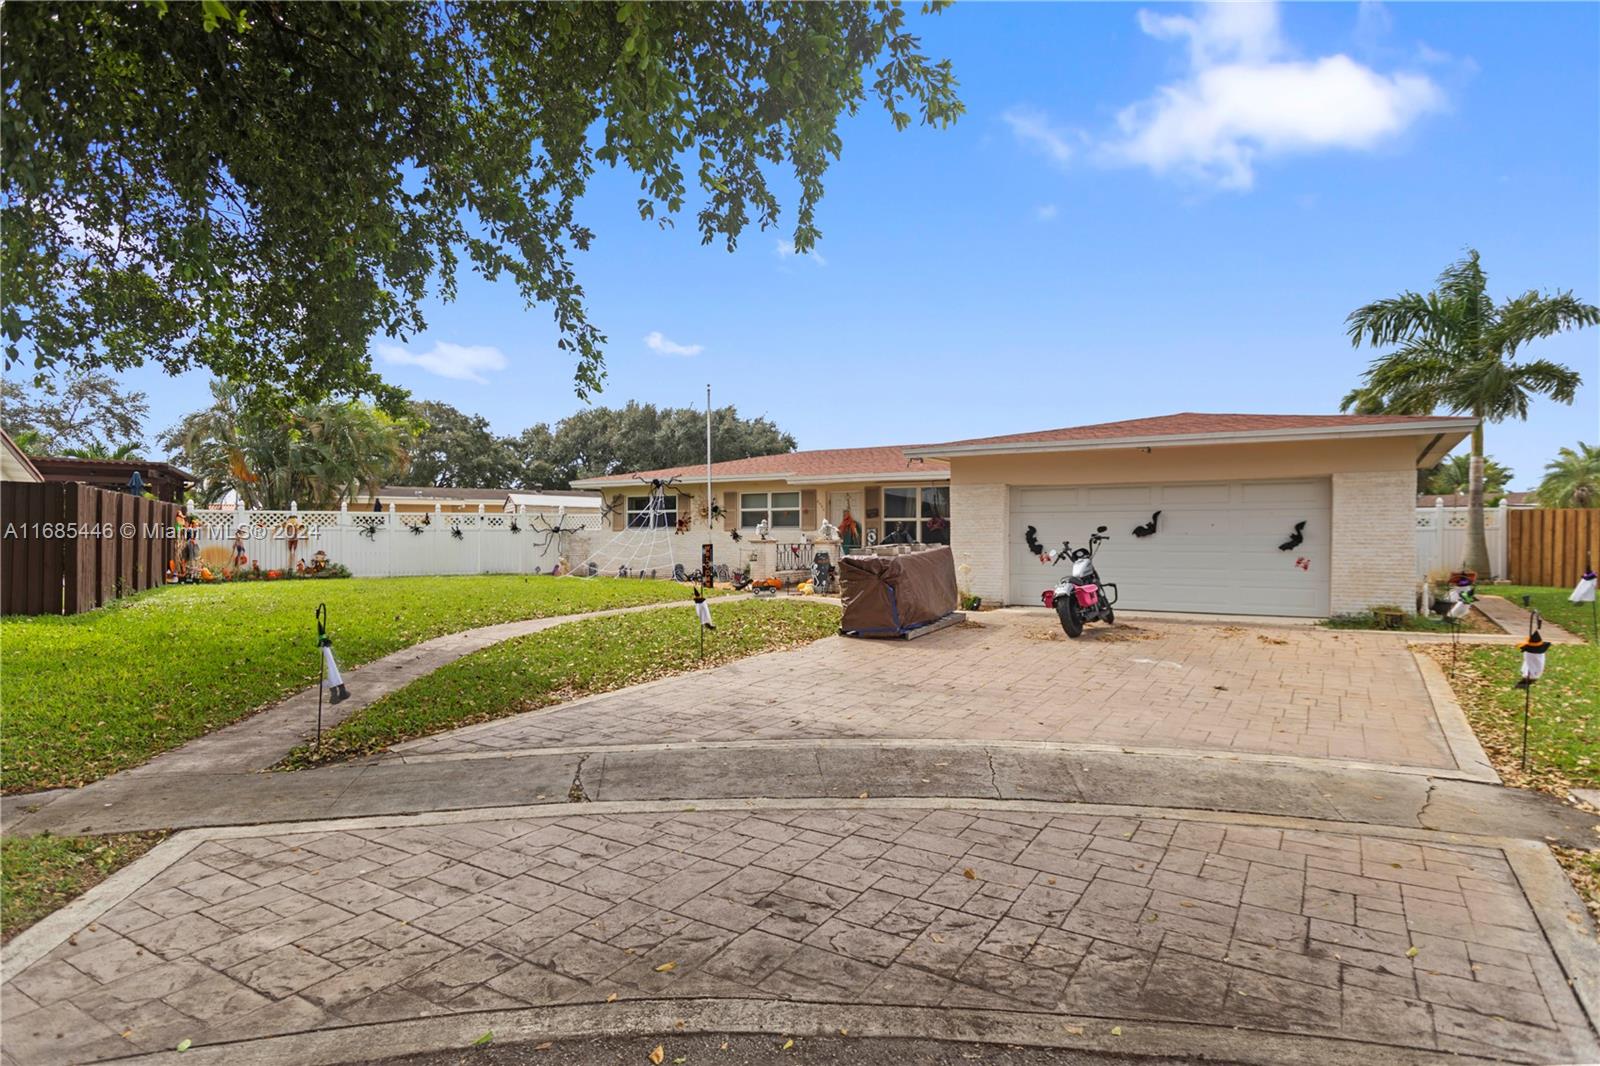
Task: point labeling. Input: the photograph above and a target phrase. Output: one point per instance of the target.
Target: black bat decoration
(1148, 528)
(1033, 541)
(1295, 538)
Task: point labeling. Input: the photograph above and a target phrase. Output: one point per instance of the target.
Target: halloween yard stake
(1533, 651)
(1584, 592)
(332, 680)
(702, 610)
(1462, 597)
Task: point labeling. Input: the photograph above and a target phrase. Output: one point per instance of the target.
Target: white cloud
(786, 250)
(657, 341)
(1246, 98)
(461, 362)
(1032, 127)
(1046, 212)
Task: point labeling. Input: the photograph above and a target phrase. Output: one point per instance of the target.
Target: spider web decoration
(643, 547)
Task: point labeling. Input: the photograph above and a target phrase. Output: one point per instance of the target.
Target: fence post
(1439, 532)
(1499, 554)
(478, 540)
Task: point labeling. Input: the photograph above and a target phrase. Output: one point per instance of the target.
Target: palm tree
(1457, 349)
(314, 454)
(1572, 479)
(100, 451)
(1453, 477)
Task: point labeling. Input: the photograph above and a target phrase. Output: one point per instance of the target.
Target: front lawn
(1575, 618)
(43, 873)
(94, 693)
(579, 659)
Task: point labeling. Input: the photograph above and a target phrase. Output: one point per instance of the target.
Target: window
(666, 512)
(780, 509)
(911, 515)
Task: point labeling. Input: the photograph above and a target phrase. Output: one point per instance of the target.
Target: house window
(665, 514)
(912, 515)
(781, 510)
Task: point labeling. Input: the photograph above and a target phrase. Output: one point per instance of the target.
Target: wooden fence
(69, 548)
(1551, 547)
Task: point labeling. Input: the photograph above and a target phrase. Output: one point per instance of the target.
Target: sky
(1145, 209)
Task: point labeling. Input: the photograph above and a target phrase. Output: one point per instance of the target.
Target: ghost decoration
(1584, 591)
(763, 527)
(702, 610)
(1533, 650)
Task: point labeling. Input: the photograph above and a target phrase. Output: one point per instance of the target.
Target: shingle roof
(1192, 423)
(800, 466)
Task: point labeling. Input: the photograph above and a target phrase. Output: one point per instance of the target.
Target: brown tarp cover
(886, 595)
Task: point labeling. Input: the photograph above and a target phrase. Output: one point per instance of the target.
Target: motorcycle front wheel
(1071, 620)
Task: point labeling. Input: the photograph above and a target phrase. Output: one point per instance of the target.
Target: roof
(1512, 499)
(579, 500)
(432, 492)
(821, 465)
(1191, 427)
(71, 467)
(14, 463)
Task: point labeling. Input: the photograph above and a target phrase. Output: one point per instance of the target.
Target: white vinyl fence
(1442, 538)
(395, 544)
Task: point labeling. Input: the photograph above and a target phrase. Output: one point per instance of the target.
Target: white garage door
(1215, 548)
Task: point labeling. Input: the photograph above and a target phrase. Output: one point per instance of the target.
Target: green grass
(1575, 618)
(1563, 727)
(40, 874)
(579, 659)
(88, 695)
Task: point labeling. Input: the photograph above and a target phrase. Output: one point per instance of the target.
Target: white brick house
(1230, 489)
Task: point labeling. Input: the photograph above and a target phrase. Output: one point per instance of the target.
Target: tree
(452, 449)
(100, 451)
(83, 410)
(314, 454)
(609, 440)
(258, 188)
(1572, 479)
(1453, 476)
(1458, 349)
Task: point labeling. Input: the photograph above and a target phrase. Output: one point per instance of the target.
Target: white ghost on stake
(702, 609)
(1583, 592)
(1533, 650)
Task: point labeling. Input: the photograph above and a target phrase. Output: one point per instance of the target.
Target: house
(162, 480)
(576, 503)
(15, 464)
(1522, 500)
(889, 496)
(1231, 491)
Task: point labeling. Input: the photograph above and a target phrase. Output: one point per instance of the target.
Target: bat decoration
(1148, 528)
(1033, 541)
(1295, 539)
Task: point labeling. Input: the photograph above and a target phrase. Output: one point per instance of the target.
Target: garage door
(1215, 549)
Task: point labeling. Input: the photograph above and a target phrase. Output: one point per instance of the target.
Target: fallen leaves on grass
(40, 874)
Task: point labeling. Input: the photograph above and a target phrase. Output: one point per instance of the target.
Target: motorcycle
(1081, 597)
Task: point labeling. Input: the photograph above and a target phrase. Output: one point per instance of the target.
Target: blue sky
(1145, 210)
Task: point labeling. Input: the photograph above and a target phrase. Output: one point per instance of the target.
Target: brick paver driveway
(1375, 943)
(1013, 676)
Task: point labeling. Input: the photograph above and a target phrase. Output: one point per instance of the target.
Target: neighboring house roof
(580, 501)
(799, 468)
(1192, 427)
(431, 492)
(1512, 499)
(14, 463)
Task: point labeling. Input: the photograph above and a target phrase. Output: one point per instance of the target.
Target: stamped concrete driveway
(1013, 676)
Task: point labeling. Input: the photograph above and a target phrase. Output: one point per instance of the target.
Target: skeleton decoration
(763, 527)
(828, 531)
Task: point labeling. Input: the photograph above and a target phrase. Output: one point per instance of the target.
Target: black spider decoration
(416, 528)
(734, 533)
(1295, 539)
(370, 532)
(455, 531)
(1148, 528)
(1033, 541)
(514, 527)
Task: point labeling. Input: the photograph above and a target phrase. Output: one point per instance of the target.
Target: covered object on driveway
(894, 595)
(1303, 515)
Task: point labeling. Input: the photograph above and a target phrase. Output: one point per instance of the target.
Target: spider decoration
(610, 507)
(514, 527)
(370, 532)
(541, 524)
(455, 531)
(416, 527)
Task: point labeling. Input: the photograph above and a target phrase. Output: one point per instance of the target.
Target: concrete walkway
(1513, 618)
(1129, 929)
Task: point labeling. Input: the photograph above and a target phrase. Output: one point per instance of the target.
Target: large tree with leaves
(258, 188)
(82, 411)
(1453, 477)
(455, 449)
(1457, 349)
(1572, 478)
